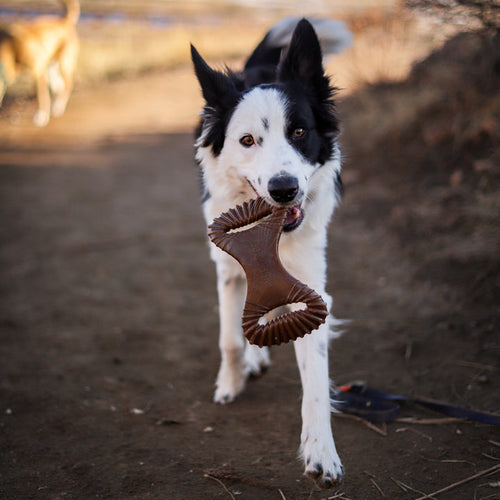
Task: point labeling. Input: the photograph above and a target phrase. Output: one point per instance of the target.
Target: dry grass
(133, 48)
(385, 48)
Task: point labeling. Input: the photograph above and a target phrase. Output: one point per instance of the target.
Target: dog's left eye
(299, 132)
(247, 140)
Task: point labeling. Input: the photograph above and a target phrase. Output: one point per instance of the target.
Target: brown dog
(48, 46)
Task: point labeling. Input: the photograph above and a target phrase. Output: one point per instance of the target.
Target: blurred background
(108, 318)
(124, 39)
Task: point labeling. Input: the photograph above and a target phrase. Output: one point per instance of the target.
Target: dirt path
(109, 327)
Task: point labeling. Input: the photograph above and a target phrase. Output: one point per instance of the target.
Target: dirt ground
(109, 322)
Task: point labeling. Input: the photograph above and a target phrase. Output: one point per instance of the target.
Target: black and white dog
(271, 131)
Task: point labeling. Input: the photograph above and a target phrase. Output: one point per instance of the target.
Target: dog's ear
(303, 59)
(218, 89)
(221, 95)
(302, 63)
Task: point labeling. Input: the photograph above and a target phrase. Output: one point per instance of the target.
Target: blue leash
(378, 406)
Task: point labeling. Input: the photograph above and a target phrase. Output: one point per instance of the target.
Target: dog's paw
(59, 107)
(230, 382)
(325, 479)
(226, 392)
(41, 118)
(323, 464)
(256, 360)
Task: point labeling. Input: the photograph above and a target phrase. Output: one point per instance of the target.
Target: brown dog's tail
(72, 10)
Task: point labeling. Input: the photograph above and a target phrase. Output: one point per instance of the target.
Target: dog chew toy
(269, 285)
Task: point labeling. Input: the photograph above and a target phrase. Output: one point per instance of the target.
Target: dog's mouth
(294, 217)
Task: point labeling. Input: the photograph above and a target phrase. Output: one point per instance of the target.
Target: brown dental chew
(269, 285)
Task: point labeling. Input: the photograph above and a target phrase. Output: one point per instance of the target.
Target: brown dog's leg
(42, 116)
(8, 70)
(67, 63)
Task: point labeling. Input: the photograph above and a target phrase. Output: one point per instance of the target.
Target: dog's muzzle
(283, 188)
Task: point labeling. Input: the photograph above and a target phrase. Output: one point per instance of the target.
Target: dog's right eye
(247, 140)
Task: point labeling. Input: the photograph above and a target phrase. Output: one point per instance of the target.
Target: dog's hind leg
(61, 77)
(231, 287)
(256, 360)
(4, 80)
(57, 88)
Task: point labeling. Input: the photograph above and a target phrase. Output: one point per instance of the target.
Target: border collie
(271, 131)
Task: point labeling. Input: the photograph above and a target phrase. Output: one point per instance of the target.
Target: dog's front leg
(42, 116)
(231, 287)
(322, 463)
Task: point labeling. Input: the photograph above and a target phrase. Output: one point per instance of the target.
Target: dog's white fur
(236, 175)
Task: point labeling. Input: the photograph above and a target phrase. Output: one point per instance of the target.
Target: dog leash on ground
(377, 406)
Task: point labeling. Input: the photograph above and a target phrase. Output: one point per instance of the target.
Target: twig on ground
(494, 484)
(399, 484)
(281, 494)
(451, 461)
(447, 460)
(377, 486)
(340, 495)
(479, 366)
(229, 475)
(430, 421)
(221, 483)
(372, 478)
(491, 470)
(406, 487)
(404, 429)
(362, 420)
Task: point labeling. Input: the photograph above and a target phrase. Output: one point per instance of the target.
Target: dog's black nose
(283, 187)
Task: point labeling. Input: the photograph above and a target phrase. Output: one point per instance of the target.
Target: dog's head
(274, 136)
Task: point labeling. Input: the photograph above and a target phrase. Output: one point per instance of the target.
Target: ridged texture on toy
(289, 326)
(235, 218)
